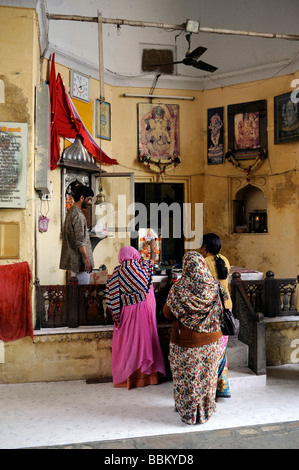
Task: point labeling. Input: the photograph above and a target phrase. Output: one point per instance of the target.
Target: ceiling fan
(191, 59)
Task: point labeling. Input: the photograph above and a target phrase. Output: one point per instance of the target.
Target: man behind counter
(76, 252)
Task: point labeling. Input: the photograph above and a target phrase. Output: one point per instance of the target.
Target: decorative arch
(249, 205)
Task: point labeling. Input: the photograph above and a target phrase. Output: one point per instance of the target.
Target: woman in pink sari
(137, 357)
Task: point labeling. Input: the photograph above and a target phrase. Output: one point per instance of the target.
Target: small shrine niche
(250, 210)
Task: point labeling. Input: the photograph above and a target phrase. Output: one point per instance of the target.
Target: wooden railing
(270, 296)
(76, 305)
(70, 305)
(254, 300)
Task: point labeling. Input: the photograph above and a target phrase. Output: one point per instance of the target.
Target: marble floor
(58, 413)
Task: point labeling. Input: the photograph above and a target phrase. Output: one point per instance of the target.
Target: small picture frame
(286, 119)
(145, 235)
(103, 120)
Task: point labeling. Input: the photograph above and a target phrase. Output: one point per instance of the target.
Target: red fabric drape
(55, 145)
(15, 302)
(67, 123)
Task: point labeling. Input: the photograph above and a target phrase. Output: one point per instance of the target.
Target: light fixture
(192, 26)
(164, 97)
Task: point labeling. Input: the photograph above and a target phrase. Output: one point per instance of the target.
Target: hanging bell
(101, 198)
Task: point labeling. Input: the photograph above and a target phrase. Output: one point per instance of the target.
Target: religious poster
(286, 118)
(159, 138)
(103, 118)
(247, 130)
(215, 136)
(13, 164)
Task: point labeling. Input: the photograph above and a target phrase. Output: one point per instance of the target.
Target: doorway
(168, 217)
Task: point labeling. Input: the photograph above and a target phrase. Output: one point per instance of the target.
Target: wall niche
(249, 206)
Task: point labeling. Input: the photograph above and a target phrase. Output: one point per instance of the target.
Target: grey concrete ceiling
(239, 58)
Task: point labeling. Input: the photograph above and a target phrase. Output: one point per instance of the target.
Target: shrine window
(250, 211)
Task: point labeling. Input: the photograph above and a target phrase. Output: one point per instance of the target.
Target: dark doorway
(152, 195)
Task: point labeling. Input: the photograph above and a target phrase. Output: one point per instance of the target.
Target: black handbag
(229, 324)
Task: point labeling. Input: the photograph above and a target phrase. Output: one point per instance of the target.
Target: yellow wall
(19, 70)
(213, 185)
(278, 249)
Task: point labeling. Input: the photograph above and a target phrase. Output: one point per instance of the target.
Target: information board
(13, 164)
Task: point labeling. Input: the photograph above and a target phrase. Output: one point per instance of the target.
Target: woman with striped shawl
(137, 357)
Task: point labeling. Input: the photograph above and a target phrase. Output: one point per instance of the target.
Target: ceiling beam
(181, 27)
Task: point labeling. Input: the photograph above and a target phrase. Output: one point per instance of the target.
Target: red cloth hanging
(15, 302)
(55, 146)
(66, 122)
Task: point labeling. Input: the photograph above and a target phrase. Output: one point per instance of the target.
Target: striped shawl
(128, 285)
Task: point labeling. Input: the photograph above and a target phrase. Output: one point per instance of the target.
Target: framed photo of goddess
(247, 129)
(158, 133)
(286, 119)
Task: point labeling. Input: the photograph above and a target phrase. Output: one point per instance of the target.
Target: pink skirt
(136, 349)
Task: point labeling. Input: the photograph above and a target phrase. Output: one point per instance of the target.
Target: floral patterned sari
(194, 300)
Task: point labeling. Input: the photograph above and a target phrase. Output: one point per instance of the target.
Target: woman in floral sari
(194, 305)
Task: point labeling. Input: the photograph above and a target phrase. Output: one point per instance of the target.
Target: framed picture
(103, 120)
(145, 235)
(247, 129)
(286, 119)
(158, 135)
(215, 136)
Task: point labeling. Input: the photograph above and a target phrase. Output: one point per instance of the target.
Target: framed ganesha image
(158, 135)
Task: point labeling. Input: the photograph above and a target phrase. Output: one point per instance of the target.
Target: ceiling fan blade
(196, 52)
(169, 63)
(204, 66)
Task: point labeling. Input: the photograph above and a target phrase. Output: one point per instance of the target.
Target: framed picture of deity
(103, 120)
(215, 136)
(247, 130)
(158, 136)
(286, 118)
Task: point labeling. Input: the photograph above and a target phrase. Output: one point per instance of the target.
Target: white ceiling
(238, 58)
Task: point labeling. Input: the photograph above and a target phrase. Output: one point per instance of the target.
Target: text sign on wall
(13, 164)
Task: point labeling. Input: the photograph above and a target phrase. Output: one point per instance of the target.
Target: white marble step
(240, 376)
(237, 353)
(243, 377)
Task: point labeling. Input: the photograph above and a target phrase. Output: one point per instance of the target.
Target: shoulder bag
(229, 324)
